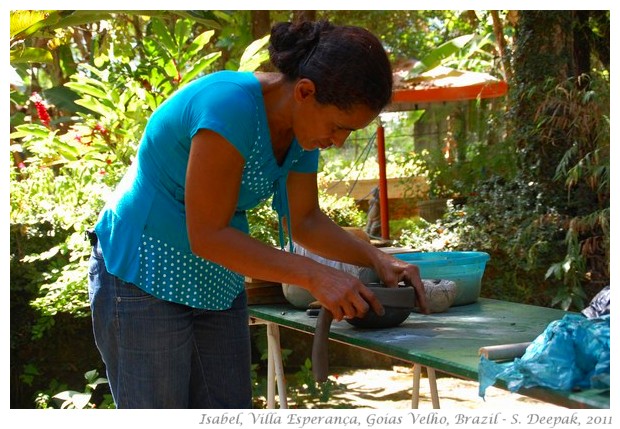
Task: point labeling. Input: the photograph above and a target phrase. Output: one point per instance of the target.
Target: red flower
(41, 110)
(101, 129)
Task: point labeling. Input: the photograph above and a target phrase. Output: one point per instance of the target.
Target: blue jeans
(160, 354)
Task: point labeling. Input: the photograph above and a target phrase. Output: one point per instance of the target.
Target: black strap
(92, 237)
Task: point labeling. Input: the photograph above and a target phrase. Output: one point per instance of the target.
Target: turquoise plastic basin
(464, 268)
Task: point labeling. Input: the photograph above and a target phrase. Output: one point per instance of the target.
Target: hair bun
(291, 43)
(348, 65)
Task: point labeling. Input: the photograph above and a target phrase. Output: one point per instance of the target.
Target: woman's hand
(344, 295)
(392, 271)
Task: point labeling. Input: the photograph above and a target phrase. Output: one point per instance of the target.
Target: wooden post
(383, 188)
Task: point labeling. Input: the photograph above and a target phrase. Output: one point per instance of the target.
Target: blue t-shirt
(142, 229)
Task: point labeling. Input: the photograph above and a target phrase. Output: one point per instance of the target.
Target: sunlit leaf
(170, 68)
(85, 88)
(254, 55)
(439, 54)
(81, 400)
(67, 151)
(95, 106)
(182, 31)
(80, 17)
(199, 66)
(199, 43)
(164, 36)
(21, 55)
(30, 130)
(26, 22)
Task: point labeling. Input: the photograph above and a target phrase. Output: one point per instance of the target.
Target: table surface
(450, 341)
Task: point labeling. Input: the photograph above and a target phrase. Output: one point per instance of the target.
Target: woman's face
(321, 126)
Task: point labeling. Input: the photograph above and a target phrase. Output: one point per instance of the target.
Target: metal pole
(383, 189)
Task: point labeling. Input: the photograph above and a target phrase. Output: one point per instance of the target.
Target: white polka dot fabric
(173, 275)
(260, 170)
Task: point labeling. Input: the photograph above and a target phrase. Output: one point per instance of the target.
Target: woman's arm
(212, 188)
(315, 231)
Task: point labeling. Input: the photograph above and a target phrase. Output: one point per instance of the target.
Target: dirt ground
(385, 389)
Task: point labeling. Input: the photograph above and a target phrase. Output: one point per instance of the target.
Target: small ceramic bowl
(394, 315)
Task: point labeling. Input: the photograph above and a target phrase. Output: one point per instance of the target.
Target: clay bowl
(398, 304)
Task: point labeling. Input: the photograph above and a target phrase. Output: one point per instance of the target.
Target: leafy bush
(66, 159)
(72, 399)
(521, 230)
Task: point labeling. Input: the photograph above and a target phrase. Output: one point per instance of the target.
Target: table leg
(275, 368)
(432, 381)
(271, 394)
(415, 394)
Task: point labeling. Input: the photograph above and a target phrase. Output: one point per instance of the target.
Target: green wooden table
(448, 342)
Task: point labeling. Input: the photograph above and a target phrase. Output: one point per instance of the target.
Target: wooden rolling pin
(504, 351)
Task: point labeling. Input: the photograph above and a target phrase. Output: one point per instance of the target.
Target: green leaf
(96, 106)
(21, 20)
(25, 130)
(93, 385)
(437, 55)
(48, 254)
(27, 22)
(206, 17)
(254, 55)
(64, 99)
(99, 83)
(171, 68)
(200, 66)
(182, 31)
(81, 17)
(66, 395)
(81, 400)
(22, 55)
(552, 271)
(67, 151)
(199, 43)
(101, 74)
(164, 36)
(84, 88)
(91, 375)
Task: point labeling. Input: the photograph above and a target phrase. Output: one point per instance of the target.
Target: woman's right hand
(344, 295)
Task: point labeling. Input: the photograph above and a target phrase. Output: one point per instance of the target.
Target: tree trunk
(581, 48)
(543, 58)
(261, 24)
(498, 31)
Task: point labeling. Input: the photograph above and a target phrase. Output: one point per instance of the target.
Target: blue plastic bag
(571, 353)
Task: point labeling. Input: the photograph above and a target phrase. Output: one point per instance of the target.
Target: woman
(172, 249)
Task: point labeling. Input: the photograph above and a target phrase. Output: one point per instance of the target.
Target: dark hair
(347, 64)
